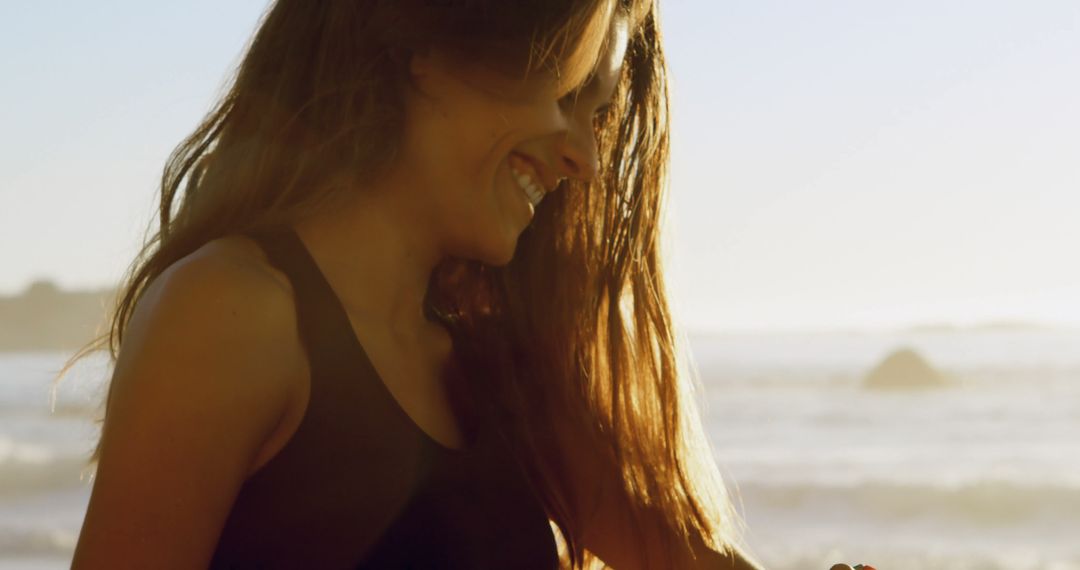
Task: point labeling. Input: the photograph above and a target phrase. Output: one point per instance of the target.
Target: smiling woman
(405, 307)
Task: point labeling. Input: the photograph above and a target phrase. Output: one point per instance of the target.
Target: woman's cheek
(542, 117)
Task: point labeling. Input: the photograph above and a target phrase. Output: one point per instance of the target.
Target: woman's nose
(576, 154)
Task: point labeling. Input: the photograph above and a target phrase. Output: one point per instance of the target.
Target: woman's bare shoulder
(207, 370)
(236, 266)
(223, 297)
(222, 313)
(242, 258)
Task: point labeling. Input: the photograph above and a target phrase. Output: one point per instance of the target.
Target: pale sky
(835, 164)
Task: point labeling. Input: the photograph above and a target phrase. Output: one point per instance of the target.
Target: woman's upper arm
(203, 377)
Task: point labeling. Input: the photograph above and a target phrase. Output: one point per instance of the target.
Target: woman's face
(469, 129)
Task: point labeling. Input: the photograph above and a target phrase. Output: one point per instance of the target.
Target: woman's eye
(569, 103)
(569, 100)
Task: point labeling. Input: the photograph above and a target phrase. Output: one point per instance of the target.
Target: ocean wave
(17, 542)
(28, 469)
(821, 557)
(985, 502)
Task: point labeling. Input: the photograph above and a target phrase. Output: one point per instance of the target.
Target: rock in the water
(904, 369)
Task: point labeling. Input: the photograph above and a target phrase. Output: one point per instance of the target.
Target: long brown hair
(575, 330)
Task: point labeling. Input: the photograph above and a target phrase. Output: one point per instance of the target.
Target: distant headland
(44, 317)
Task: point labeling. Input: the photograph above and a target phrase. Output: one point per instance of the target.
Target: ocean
(983, 473)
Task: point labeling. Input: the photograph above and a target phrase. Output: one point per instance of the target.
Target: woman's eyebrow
(590, 84)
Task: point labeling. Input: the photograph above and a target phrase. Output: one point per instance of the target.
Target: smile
(526, 179)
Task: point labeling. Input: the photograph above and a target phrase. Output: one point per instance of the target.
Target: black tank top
(360, 485)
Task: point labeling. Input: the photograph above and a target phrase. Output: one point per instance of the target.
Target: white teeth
(532, 190)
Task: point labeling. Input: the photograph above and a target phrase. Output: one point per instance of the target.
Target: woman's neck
(378, 256)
